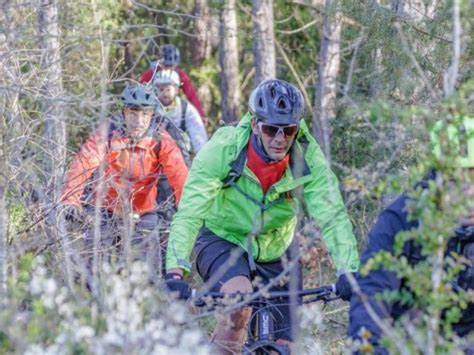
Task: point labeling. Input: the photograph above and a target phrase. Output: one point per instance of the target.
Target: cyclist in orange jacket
(117, 170)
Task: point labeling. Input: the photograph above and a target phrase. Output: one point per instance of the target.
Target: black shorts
(218, 261)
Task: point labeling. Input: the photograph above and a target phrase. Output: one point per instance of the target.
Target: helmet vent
(272, 91)
(281, 104)
(260, 102)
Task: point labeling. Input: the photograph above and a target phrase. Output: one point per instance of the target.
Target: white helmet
(167, 77)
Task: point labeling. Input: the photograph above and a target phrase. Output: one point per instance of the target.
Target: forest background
(375, 74)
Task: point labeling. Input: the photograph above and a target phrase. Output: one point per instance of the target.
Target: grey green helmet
(139, 96)
(277, 102)
(453, 142)
(167, 77)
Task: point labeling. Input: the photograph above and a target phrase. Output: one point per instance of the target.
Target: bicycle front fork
(262, 339)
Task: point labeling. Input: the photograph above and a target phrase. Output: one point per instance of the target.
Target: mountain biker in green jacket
(242, 199)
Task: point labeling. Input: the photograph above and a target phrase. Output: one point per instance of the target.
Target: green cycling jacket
(222, 193)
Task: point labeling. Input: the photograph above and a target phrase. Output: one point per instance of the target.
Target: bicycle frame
(261, 339)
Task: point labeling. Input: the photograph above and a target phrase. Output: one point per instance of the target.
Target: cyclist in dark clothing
(395, 219)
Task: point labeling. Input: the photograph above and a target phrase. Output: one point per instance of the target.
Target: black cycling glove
(73, 213)
(343, 287)
(175, 284)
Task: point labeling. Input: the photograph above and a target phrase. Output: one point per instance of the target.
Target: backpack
(177, 133)
(463, 244)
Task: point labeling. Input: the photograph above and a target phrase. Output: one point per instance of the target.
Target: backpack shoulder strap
(115, 124)
(236, 169)
(154, 132)
(298, 165)
(184, 108)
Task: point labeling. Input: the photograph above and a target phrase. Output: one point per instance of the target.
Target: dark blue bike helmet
(169, 55)
(277, 102)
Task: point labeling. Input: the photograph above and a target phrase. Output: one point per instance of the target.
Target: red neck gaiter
(267, 173)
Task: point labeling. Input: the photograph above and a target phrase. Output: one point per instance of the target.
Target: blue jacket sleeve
(381, 238)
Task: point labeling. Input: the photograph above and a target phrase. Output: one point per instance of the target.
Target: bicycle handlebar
(321, 293)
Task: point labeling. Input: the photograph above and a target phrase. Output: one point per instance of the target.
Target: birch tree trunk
(52, 93)
(200, 45)
(328, 70)
(201, 49)
(263, 40)
(3, 173)
(9, 127)
(3, 222)
(398, 7)
(54, 136)
(451, 74)
(129, 47)
(229, 62)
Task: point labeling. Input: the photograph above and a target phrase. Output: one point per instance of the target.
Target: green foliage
(18, 217)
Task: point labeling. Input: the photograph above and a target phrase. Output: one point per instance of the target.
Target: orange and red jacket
(130, 169)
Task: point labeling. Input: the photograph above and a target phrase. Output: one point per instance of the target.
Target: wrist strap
(173, 276)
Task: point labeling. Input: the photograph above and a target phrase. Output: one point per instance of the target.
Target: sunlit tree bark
(229, 62)
(9, 127)
(328, 70)
(52, 93)
(263, 40)
(200, 45)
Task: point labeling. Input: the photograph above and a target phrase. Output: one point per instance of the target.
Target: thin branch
(414, 61)
(344, 19)
(296, 76)
(356, 46)
(309, 24)
(163, 12)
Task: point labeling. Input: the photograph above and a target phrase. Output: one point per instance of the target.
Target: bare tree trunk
(3, 213)
(129, 49)
(9, 128)
(376, 65)
(4, 164)
(398, 7)
(263, 40)
(326, 86)
(451, 74)
(229, 62)
(129, 46)
(54, 136)
(200, 45)
(201, 48)
(52, 92)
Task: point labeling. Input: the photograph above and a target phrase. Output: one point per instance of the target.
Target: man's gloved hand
(175, 284)
(73, 213)
(343, 286)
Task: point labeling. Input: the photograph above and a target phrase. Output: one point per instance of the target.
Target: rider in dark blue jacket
(395, 219)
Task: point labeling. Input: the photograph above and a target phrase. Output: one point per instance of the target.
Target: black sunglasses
(273, 130)
(137, 109)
